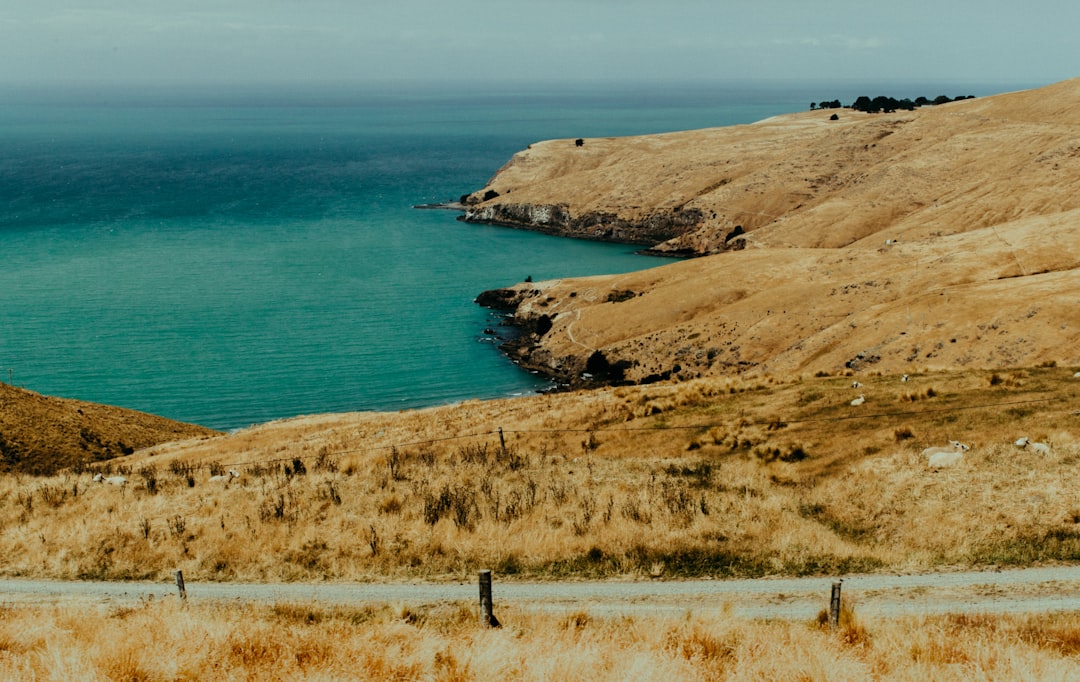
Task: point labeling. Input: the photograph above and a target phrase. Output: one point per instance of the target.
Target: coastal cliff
(939, 238)
(556, 219)
(800, 180)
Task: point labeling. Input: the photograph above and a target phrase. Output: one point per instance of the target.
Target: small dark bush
(543, 325)
(325, 461)
(599, 366)
(621, 295)
(149, 476)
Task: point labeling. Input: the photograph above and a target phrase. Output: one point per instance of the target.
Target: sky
(290, 41)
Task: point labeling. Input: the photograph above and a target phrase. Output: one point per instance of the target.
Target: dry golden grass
(42, 434)
(802, 180)
(165, 640)
(707, 478)
(944, 236)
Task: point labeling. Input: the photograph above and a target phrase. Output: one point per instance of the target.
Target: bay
(233, 257)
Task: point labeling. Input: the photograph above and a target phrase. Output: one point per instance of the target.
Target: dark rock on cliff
(503, 299)
(523, 347)
(543, 324)
(557, 219)
(606, 371)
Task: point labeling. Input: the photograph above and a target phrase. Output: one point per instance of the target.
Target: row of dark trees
(888, 104)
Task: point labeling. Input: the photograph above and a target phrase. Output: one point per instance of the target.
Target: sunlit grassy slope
(714, 477)
(42, 434)
(945, 237)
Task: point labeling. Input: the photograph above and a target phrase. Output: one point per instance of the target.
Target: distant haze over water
(228, 258)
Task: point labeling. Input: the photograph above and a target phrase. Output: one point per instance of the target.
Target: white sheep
(856, 384)
(859, 401)
(1076, 375)
(945, 459)
(111, 480)
(954, 446)
(233, 473)
(904, 379)
(1028, 444)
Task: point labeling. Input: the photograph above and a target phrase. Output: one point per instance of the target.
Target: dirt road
(1034, 590)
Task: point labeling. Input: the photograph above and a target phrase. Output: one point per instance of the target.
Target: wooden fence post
(834, 606)
(487, 616)
(502, 442)
(180, 585)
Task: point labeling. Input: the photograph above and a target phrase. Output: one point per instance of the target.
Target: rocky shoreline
(523, 346)
(441, 206)
(557, 219)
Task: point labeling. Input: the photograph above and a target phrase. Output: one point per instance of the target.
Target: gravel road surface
(1033, 590)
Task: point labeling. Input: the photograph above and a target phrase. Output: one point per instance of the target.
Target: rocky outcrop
(502, 299)
(557, 219)
(524, 347)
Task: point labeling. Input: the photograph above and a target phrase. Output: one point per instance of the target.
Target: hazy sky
(167, 41)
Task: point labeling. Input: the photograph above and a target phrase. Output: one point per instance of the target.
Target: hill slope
(943, 237)
(41, 434)
(714, 477)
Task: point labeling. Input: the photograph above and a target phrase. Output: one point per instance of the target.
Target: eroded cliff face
(942, 238)
(558, 219)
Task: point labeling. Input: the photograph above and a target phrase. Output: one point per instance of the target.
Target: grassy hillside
(940, 238)
(712, 477)
(41, 434)
(805, 181)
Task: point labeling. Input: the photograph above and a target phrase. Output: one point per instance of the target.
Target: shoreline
(441, 206)
(606, 237)
(649, 231)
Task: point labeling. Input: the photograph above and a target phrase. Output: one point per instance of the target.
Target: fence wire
(632, 429)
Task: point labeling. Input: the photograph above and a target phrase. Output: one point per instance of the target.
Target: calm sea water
(232, 258)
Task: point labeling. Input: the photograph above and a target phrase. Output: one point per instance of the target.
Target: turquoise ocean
(233, 257)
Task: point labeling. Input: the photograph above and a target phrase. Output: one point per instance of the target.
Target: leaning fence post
(487, 617)
(502, 442)
(834, 606)
(180, 585)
